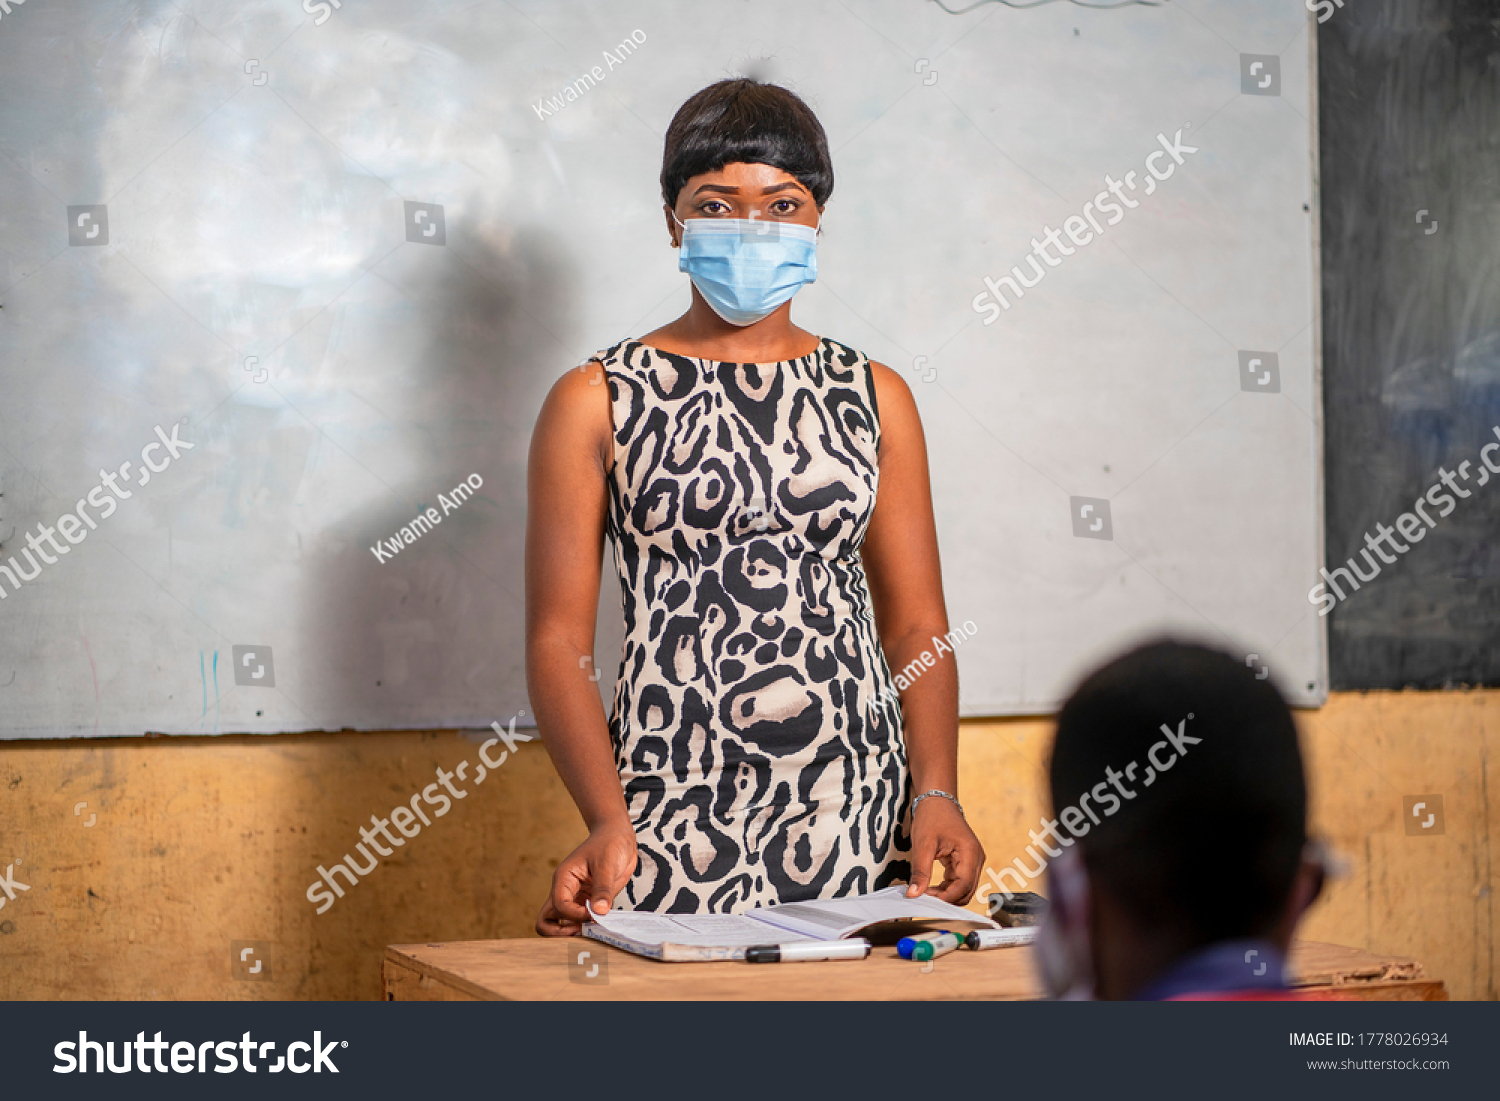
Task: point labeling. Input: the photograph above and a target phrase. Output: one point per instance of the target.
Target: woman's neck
(703, 334)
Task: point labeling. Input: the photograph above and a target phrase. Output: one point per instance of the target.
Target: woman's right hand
(591, 876)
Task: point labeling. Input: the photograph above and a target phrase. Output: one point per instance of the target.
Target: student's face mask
(1064, 949)
(1064, 953)
(746, 267)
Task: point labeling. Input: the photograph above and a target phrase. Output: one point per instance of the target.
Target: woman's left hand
(939, 833)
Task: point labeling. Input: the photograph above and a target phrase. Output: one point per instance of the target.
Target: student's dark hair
(745, 121)
(1209, 850)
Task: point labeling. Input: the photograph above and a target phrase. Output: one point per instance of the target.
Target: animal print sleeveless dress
(755, 724)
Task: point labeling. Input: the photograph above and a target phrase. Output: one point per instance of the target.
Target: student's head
(741, 149)
(1208, 846)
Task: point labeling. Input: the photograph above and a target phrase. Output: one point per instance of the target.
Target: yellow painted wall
(198, 842)
(1426, 896)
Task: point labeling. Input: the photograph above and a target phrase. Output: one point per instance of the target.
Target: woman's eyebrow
(726, 189)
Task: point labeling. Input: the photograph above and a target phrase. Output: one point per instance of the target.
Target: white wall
(268, 220)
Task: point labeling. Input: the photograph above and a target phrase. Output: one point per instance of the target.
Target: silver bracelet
(936, 791)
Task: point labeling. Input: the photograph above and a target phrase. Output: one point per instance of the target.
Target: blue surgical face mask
(746, 267)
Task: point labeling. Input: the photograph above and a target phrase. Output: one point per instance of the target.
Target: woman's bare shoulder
(893, 395)
(577, 412)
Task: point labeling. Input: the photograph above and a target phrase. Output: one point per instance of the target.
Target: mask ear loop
(1329, 864)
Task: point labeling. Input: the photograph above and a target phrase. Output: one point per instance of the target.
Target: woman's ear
(671, 225)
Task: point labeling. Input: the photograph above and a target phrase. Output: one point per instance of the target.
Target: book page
(696, 930)
(823, 919)
(832, 918)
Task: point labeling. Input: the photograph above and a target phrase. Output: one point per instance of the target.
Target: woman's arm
(906, 585)
(565, 511)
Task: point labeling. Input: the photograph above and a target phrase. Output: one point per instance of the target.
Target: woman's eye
(784, 206)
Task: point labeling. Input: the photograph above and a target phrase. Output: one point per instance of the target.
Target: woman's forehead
(751, 178)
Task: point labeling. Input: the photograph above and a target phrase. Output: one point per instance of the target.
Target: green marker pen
(906, 944)
(926, 950)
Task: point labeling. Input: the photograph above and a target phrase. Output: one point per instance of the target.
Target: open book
(884, 915)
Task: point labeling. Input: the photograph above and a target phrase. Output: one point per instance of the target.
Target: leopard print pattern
(754, 721)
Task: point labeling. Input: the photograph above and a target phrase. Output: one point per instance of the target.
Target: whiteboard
(345, 252)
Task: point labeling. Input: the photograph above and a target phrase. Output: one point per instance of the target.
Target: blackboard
(1409, 121)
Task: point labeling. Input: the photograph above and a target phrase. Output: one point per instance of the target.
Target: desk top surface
(541, 969)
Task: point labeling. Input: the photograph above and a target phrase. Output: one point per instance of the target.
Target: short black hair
(1209, 850)
(743, 121)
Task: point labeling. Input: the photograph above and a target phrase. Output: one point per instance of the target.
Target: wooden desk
(540, 969)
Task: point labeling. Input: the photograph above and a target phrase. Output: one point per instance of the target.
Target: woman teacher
(766, 494)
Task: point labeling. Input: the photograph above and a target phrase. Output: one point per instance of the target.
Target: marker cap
(905, 945)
